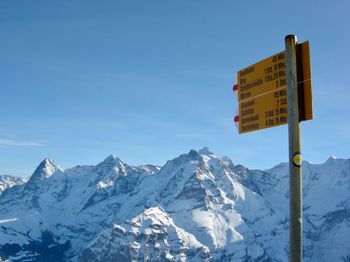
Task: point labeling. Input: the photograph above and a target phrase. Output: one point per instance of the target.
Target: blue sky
(149, 80)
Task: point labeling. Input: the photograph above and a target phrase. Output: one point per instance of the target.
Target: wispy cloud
(18, 143)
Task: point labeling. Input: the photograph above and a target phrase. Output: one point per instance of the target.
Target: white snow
(2, 221)
(195, 205)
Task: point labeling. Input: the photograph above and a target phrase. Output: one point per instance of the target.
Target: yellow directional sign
(267, 110)
(262, 77)
(270, 74)
(262, 91)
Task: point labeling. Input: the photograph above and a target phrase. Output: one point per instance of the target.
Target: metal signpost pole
(294, 152)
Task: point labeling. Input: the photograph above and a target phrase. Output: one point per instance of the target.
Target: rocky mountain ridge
(7, 181)
(197, 207)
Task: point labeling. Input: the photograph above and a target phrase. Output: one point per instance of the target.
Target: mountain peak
(205, 151)
(45, 169)
(7, 181)
(112, 159)
(111, 166)
(331, 158)
(49, 165)
(110, 162)
(198, 207)
(48, 161)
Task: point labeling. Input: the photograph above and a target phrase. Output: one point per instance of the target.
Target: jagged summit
(332, 159)
(7, 181)
(197, 207)
(112, 158)
(46, 168)
(111, 165)
(203, 154)
(205, 151)
(193, 154)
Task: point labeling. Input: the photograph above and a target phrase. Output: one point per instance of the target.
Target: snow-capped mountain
(10, 181)
(197, 207)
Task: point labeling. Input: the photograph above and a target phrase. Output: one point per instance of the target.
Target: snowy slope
(150, 235)
(197, 207)
(199, 195)
(326, 204)
(326, 208)
(10, 181)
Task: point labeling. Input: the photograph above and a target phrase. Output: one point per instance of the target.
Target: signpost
(262, 77)
(295, 188)
(262, 91)
(267, 110)
(277, 91)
